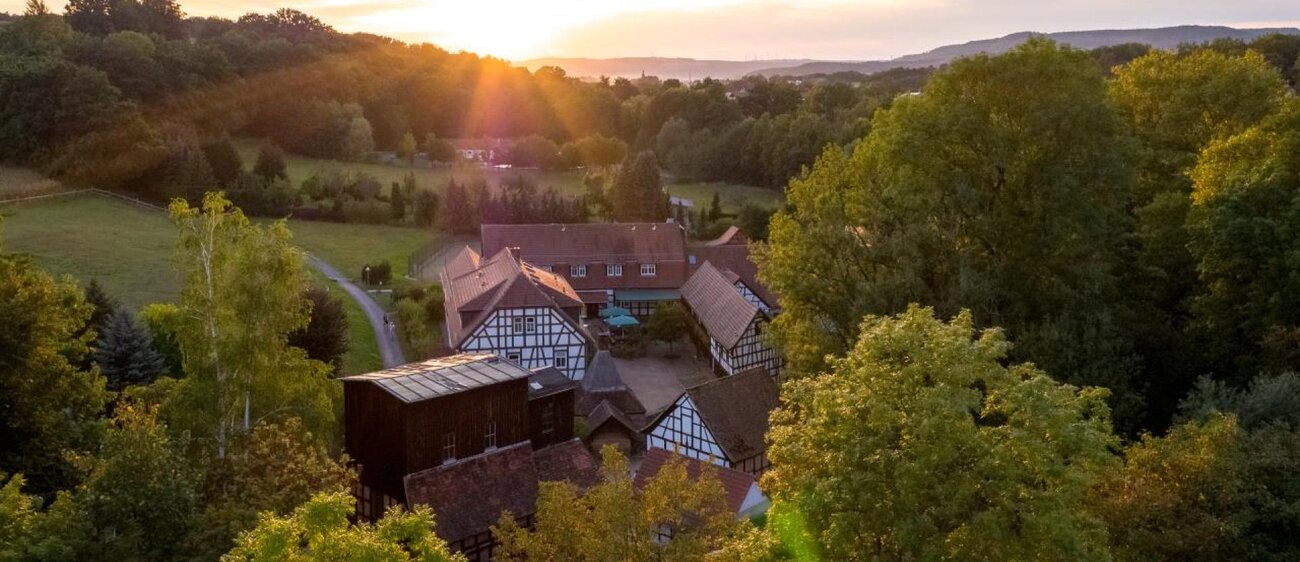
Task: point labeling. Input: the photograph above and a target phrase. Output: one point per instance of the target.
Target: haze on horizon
(739, 29)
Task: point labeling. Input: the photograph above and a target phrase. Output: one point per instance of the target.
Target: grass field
(128, 249)
(20, 179)
(300, 168)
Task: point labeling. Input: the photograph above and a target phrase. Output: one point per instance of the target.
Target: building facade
(513, 309)
(722, 421)
(732, 322)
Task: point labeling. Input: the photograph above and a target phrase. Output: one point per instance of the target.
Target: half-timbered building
(733, 322)
(743, 496)
(509, 307)
(730, 254)
(631, 265)
(722, 421)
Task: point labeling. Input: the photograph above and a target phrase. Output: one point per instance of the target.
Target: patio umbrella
(622, 321)
(613, 311)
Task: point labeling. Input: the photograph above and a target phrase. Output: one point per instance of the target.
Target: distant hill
(1160, 38)
(680, 68)
(685, 68)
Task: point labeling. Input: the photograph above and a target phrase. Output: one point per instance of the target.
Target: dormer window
(647, 270)
(577, 271)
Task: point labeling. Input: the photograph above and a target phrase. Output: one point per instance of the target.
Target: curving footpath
(390, 352)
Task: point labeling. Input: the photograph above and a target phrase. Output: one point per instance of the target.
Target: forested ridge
(1043, 306)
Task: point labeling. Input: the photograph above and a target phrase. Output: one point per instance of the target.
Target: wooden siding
(373, 435)
(683, 430)
(550, 333)
(465, 415)
(559, 407)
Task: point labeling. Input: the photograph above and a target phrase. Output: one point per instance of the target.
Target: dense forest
(1040, 305)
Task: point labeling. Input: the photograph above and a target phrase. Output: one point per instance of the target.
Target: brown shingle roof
(734, 482)
(589, 242)
(603, 382)
(730, 252)
(736, 408)
(474, 287)
(468, 496)
(717, 303)
(603, 413)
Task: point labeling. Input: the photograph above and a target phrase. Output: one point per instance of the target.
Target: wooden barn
(431, 413)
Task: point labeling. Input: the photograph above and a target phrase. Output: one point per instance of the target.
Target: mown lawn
(128, 249)
(569, 182)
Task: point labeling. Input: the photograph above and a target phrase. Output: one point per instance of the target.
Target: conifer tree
(126, 355)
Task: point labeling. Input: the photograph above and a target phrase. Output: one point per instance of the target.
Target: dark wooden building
(423, 415)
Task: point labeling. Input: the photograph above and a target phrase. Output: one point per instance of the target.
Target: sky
(741, 29)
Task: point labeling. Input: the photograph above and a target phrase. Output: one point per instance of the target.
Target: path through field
(385, 333)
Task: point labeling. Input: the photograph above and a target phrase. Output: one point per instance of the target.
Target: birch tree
(242, 296)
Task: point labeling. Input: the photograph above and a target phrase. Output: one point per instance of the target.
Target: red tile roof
(474, 287)
(469, 495)
(546, 244)
(736, 483)
(715, 301)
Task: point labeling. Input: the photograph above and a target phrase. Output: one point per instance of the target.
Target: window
(647, 270)
(561, 359)
(448, 447)
(490, 436)
(691, 259)
(514, 357)
(548, 418)
(577, 271)
(363, 501)
(530, 324)
(548, 269)
(614, 270)
(517, 325)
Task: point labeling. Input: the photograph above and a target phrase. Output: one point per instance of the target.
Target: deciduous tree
(923, 444)
(242, 296)
(319, 531)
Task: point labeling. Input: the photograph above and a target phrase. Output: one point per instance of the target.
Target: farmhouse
(631, 265)
(730, 253)
(509, 307)
(439, 412)
(732, 321)
(722, 421)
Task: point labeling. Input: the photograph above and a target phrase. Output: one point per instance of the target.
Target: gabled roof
(604, 413)
(588, 242)
(442, 376)
(730, 252)
(735, 409)
(736, 483)
(720, 307)
(469, 495)
(546, 381)
(474, 287)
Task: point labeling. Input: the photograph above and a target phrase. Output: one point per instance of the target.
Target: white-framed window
(647, 270)
(561, 359)
(548, 269)
(530, 324)
(448, 447)
(490, 435)
(577, 271)
(517, 325)
(514, 357)
(614, 270)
